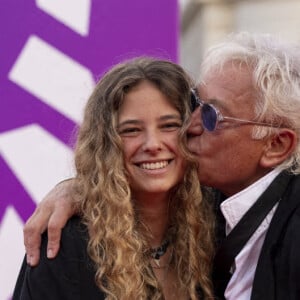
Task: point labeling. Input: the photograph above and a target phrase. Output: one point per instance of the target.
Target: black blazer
(277, 275)
(278, 269)
(69, 276)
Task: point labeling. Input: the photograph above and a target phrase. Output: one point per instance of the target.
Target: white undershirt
(233, 208)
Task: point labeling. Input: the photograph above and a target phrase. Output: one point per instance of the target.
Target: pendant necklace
(157, 253)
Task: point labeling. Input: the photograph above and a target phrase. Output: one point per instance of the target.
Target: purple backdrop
(51, 53)
(118, 29)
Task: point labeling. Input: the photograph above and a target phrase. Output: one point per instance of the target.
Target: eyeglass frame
(196, 101)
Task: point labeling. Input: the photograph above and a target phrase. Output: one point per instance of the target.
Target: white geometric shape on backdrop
(37, 158)
(74, 14)
(11, 251)
(53, 77)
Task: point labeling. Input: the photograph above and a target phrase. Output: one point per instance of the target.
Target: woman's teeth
(154, 166)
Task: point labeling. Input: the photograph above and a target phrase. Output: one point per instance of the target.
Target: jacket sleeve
(288, 271)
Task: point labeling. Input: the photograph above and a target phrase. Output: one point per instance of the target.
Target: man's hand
(51, 214)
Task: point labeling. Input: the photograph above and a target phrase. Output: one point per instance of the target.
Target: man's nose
(195, 127)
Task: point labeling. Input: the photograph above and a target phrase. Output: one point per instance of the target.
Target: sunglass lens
(194, 102)
(209, 117)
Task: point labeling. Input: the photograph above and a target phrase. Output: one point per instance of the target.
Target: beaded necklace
(157, 253)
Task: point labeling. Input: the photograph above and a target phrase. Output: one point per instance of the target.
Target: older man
(246, 135)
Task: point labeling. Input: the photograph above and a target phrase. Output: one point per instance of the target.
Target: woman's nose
(152, 142)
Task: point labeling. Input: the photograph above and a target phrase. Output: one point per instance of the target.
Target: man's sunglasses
(212, 117)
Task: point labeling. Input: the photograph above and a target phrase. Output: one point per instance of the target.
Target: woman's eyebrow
(129, 122)
(169, 117)
(138, 122)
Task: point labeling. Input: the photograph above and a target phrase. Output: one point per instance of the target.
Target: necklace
(161, 272)
(155, 264)
(157, 253)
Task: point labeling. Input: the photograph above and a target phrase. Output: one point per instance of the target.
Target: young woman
(145, 230)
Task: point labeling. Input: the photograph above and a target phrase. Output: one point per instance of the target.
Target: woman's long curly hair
(117, 241)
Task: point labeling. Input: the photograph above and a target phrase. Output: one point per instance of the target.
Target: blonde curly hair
(117, 239)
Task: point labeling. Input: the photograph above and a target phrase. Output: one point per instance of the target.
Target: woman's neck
(154, 214)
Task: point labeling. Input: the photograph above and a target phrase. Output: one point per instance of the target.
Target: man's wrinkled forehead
(231, 76)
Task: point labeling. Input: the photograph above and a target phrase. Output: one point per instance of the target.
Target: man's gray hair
(276, 79)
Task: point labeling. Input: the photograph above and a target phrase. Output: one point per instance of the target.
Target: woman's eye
(129, 131)
(172, 126)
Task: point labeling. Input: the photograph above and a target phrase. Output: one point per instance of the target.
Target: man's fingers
(53, 244)
(32, 256)
(32, 241)
(57, 221)
(51, 214)
(32, 231)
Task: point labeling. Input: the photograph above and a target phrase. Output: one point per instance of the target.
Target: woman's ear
(278, 148)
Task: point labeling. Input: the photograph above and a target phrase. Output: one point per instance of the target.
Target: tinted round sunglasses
(212, 117)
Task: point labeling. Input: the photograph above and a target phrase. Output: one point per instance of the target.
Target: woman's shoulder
(75, 228)
(74, 239)
(70, 273)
